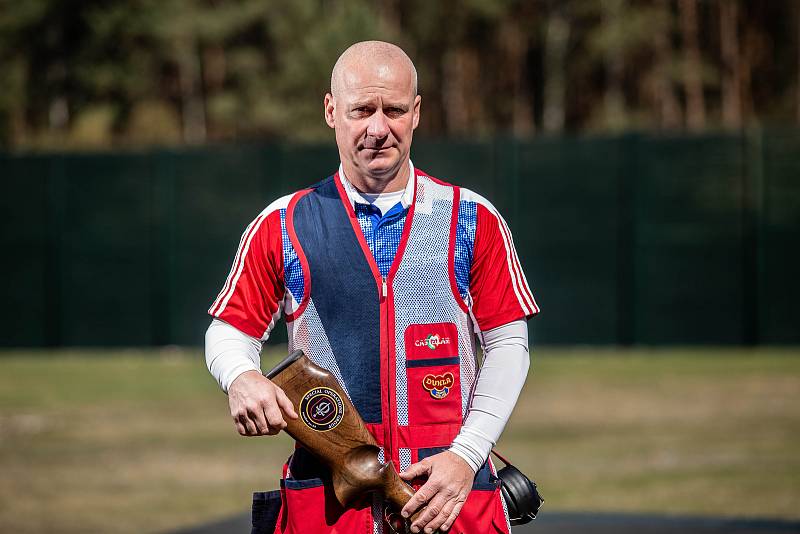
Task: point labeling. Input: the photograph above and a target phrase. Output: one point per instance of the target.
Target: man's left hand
(449, 482)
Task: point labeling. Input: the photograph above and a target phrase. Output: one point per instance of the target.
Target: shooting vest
(401, 346)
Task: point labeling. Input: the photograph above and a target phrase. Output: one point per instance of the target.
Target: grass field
(136, 441)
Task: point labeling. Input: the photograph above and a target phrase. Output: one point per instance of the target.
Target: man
(384, 275)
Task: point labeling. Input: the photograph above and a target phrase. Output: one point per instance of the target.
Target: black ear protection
(520, 493)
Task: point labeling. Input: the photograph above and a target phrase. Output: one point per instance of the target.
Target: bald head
(374, 108)
(378, 59)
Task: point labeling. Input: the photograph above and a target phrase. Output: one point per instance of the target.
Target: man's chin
(381, 163)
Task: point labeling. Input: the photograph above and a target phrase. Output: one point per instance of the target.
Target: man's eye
(394, 112)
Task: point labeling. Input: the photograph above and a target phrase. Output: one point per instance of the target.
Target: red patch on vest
(437, 340)
(438, 385)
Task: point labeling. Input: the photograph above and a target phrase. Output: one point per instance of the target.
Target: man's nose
(378, 125)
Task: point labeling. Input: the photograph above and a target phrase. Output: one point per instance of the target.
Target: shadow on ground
(577, 523)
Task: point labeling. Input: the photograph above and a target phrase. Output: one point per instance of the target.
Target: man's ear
(417, 103)
(330, 108)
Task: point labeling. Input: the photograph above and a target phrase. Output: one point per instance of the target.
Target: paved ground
(574, 523)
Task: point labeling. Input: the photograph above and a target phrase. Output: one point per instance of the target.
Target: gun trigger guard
(396, 523)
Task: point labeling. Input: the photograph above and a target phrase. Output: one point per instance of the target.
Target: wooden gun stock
(331, 428)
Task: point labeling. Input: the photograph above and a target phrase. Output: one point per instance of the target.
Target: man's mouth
(376, 150)
(372, 143)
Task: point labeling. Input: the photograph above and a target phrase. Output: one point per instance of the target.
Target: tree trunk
(58, 114)
(615, 112)
(754, 51)
(669, 109)
(19, 126)
(692, 73)
(456, 105)
(389, 14)
(731, 64)
(214, 71)
(193, 108)
(463, 103)
(515, 43)
(797, 38)
(555, 54)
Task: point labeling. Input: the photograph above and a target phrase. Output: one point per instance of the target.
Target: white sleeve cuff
(230, 352)
(473, 446)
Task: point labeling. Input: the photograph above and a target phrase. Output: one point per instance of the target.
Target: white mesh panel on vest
(422, 290)
(306, 333)
(405, 458)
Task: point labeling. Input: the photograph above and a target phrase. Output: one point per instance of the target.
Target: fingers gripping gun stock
(331, 428)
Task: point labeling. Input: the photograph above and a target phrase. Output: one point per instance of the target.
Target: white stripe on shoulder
(279, 204)
(518, 280)
(244, 246)
(526, 290)
(471, 196)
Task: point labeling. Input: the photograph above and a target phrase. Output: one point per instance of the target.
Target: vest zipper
(389, 448)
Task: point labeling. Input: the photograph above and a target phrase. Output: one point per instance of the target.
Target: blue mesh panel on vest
(382, 233)
(292, 270)
(344, 293)
(465, 242)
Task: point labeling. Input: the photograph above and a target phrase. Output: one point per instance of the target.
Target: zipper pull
(383, 286)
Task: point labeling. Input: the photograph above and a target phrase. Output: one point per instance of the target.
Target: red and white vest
(402, 346)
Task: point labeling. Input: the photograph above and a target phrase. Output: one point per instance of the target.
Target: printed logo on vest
(438, 385)
(321, 409)
(432, 341)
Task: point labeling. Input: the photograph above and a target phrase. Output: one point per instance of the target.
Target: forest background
(93, 74)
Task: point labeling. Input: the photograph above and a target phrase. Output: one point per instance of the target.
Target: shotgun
(330, 428)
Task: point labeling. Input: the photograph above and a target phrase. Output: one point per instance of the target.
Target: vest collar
(356, 197)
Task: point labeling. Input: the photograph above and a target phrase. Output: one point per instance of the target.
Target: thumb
(285, 404)
(415, 470)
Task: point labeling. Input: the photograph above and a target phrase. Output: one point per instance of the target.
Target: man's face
(374, 114)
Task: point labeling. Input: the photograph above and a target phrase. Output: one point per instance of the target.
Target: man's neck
(376, 185)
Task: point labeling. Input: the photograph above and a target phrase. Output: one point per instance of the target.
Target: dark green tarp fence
(634, 239)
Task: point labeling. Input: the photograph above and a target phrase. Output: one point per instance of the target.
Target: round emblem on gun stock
(321, 409)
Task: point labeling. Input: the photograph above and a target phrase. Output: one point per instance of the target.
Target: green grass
(140, 441)
(677, 432)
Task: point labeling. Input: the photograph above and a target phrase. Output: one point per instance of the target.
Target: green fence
(635, 239)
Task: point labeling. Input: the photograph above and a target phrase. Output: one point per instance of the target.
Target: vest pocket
(310, 506)
(433, 372)
(483, 510)
(304, 506)
(434, 394)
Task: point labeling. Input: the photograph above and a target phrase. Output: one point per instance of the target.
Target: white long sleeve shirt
(230, 352)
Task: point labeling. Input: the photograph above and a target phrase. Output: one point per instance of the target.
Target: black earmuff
(520, 493)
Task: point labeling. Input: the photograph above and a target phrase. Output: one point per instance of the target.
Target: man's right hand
(258, 406)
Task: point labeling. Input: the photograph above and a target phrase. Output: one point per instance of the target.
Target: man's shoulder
(277, 205)
(326, 182)
(468, 195)
(419, 172)
(465, 194)
(283, 202)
